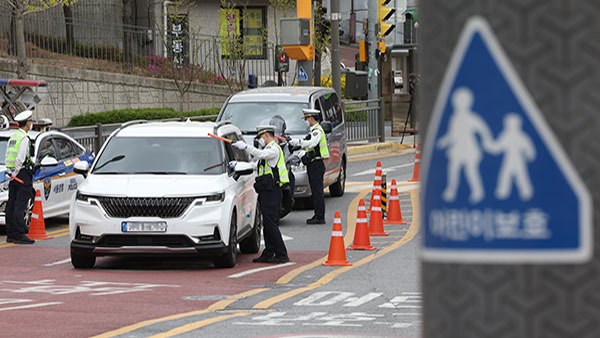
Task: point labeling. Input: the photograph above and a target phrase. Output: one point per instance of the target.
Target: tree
(20, 8)
(128, 23)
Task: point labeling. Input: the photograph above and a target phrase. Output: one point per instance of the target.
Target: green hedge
(124, 115)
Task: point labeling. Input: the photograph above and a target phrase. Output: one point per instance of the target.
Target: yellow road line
(197, 325)
(412, 231)
(351, 219)
(220, 305)
(55, 234)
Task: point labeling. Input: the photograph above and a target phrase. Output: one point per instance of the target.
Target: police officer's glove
(240, 145)
(294, 142)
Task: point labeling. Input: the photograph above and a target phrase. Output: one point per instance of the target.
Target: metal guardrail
(364, 120)
(93, 137)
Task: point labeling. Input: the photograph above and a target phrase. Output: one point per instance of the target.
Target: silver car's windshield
(248, 115)
(161, 156)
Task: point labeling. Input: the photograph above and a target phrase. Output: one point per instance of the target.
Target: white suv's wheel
(82, 261)
(227, 260)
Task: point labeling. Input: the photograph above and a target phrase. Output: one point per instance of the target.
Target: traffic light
(383, 15)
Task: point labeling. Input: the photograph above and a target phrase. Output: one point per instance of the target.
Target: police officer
(315, 144)
(20, 168)
(272, 175)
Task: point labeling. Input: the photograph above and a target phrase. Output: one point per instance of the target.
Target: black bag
(264, 183)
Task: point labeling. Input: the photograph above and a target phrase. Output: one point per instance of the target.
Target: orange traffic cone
(376, 220)
(417, 166)
(37, 228)
(394, 215)
(337, 251)
(376, 183)
(361, 234)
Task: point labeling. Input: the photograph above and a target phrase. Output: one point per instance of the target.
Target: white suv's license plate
(144, 226)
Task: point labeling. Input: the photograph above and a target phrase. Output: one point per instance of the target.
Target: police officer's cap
(311, 113)
(24, 116)
(263, 129)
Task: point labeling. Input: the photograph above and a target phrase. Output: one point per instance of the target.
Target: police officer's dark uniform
(20, 168)
(272, 175)
(315, 144)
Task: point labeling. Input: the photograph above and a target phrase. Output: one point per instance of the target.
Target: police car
(56, 183)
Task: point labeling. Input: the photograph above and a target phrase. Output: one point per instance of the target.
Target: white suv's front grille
(124, 207)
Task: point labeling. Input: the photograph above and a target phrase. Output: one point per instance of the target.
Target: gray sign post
(508, 237)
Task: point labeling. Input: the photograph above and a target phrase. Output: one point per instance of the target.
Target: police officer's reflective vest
(281, 175)
(321, 150)
(13, 149)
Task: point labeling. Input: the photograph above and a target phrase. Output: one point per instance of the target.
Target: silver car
(250, 108)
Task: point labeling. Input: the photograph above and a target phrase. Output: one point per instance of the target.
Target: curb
(376, 148)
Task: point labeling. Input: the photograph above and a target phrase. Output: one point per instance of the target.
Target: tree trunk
(68, 13)
(318, 26)
(127, 36)
(12, 41)
(20, 39)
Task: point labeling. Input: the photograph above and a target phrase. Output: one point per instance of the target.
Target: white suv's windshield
(161, 156)
(248, 115)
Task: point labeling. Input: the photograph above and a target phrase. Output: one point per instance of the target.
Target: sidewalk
(391, 144)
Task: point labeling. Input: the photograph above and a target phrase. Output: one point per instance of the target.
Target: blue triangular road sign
(302, 75)
(498, 187)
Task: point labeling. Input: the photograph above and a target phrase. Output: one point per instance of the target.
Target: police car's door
(67, 180)
(45, 177)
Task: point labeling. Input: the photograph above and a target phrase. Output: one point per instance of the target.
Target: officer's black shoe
(9, 240)
(278, 259)
(261, 259)
(23, 240)
(315, 221)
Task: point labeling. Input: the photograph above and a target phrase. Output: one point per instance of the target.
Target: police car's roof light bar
(21, 82)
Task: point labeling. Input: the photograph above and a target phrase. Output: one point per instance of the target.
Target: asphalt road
(378, 296)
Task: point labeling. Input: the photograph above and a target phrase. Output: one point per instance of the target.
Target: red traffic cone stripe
(376, 220)
(361, 233)
(394, 212)
(337, 251)
(37, 228)
(417, 166)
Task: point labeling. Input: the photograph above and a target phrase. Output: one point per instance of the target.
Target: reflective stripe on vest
(265, 168)
(13, 149)
(323, 149)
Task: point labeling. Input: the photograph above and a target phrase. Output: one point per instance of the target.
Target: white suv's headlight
(82, 197)
(218, 197)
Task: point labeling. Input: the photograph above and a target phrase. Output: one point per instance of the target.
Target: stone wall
(73, 91)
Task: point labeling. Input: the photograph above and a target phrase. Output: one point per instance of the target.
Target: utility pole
(335, 47)
(372, 42)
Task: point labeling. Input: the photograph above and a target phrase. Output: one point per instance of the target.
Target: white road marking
(358, 301)
(25, 306)
(59, 262)
(387, 169)
(251, 271)
(284, 237)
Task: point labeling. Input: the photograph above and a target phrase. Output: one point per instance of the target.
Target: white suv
(160, 188)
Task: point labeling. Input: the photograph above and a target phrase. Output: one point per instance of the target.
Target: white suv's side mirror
(81, 167)
(243, 168)
(48, 162)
